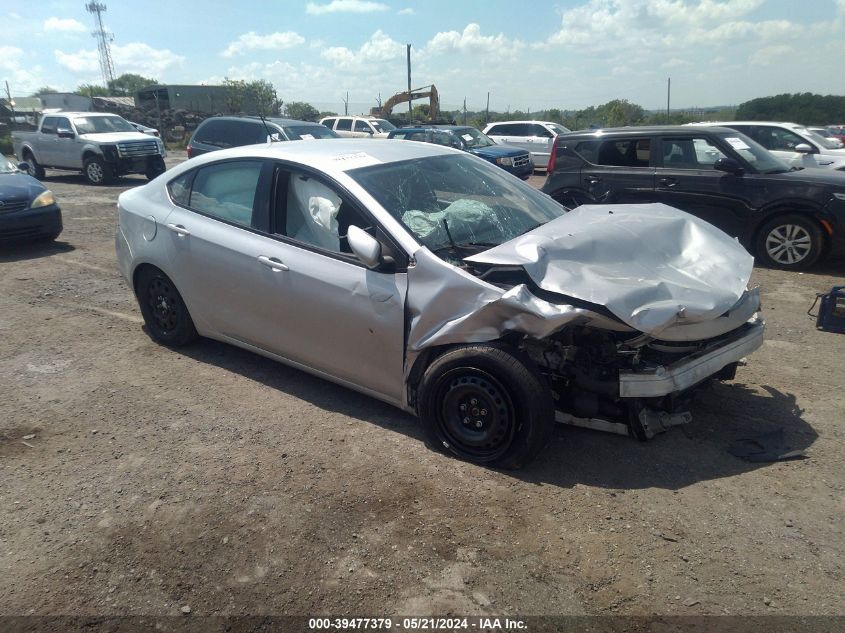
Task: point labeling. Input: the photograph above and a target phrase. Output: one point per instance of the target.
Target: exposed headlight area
(44, 199)
(505, 161)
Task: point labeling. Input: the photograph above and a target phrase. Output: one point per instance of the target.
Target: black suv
(788, 218)
(220, 132)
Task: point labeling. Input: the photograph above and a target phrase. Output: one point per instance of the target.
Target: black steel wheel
(791, 242)
(164, 311)
(486, 404)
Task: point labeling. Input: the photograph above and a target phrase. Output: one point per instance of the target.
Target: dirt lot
(217, 479)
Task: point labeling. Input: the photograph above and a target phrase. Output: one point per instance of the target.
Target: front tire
(165, 313)
(97, 171)
(790, 242)
(156, 168)
(486, 404)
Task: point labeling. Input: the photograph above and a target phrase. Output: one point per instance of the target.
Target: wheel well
(27, 152)
(137, 273)
(792, 209)
(89, 154)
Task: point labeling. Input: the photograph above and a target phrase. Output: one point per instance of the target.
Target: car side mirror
(24, 167)
(65, 133)
(365, 246)
(803, 148)
(729, 165)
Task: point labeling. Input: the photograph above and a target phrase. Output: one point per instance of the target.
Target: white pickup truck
(102, 146)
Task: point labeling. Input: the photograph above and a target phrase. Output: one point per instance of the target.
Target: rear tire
(165, 313)
(486, 404)
(35, 170)
(789, 242)
(97, 171)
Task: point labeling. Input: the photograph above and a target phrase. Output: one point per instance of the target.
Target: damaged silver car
(434, 281)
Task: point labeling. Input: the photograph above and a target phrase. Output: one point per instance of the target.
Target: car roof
(729, 123)
(533, 121)
(332, 157)
(86, 114)
(251, 117)
(647, 130)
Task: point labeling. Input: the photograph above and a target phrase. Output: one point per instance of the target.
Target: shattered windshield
(102, 125)
(457, 201)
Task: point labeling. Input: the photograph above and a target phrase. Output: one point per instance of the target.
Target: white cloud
(273, 41)
(378, 49)
(345, 6)
(63, 25)
(410, 11)
(135, 57)
(470, 40)
(771, 55)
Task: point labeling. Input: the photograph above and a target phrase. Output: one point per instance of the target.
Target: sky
(529, 55)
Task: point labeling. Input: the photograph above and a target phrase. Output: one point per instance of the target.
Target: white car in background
(794, 143)
(358, 126)
(827, 134)
(534, 136)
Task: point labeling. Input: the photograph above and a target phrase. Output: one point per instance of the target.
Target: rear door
(46, 141)
(686, 180)
(618, 170)
(539, 143)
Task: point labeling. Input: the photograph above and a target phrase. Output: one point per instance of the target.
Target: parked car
(787, 217)
(436, 282)
(28, 210)
(102, 146)
(221, 132)
(533, 136)
(512, 159)
(144, 129)
(834, 141)
(837, 131)
(358, 126)
(793, 143)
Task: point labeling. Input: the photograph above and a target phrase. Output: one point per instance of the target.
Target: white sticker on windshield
(467, 137)
(306, 136)
(737, 143)
(358, 159)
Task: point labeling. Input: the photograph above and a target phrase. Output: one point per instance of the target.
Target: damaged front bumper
(691, 370)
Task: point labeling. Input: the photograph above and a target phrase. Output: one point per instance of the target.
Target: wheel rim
(475, 414)
(788, 244)
(162, 300)
(95, 172)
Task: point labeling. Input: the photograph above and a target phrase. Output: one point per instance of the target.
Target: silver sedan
(434, 281)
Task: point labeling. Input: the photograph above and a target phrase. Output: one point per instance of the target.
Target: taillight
(190, 151)
(551, 166)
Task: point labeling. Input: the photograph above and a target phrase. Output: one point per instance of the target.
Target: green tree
(805, 108)
(302, 111)
(43, 90)
(90, 90)
(128, 84)
(252, 97)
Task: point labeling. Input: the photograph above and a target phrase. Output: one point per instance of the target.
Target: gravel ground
(140, 480)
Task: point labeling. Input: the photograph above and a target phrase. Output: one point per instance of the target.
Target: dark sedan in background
(28, 210)
(787, 217)
(512, 159)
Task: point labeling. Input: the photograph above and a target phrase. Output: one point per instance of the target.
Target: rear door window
(632, 152)
(226, 191)
(49, 125)
(344, 125)
(209, 133)
(502, 129)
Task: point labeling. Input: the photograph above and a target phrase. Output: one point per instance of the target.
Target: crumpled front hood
(651, 265)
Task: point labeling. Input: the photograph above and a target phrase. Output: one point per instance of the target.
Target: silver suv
(534, 136)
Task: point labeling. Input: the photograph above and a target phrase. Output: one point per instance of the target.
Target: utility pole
(487, 111)
(103, 38)
(346, 103)
(668, 95)
(409, 83)
(465, 110)
(11, 103)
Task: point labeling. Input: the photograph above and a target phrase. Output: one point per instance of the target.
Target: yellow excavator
(429, 92)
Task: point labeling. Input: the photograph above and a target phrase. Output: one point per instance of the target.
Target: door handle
(667, 182)
(592, 179)
(273, 262)
(180, 230)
